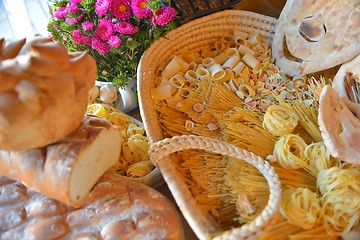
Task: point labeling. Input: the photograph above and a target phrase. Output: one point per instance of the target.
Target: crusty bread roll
(43, 92)
(116, 208)
(69, 168)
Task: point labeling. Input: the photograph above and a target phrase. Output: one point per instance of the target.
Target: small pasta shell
(189, 125)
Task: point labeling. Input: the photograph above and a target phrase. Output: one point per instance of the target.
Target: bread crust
(43, 92)
(116, 208)
(69, 168)
(314, 35)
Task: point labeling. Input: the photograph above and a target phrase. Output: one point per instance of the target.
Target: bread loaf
(43, 92)
(69, 168)
(116, 208)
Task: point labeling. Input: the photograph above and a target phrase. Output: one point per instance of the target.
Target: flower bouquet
(114, 32)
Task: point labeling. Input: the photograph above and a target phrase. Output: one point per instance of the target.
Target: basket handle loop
(160, 150)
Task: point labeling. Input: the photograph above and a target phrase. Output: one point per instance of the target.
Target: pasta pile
(232, 90)
(134, 160)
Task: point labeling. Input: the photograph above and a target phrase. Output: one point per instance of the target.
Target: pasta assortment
(232, 90)
(134, 160)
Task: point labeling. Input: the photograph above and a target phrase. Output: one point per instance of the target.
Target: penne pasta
(161, 92)
(177, 81)
(238, 67)
(203, 73)
(190, 75)
(208, 62)
(184, 92)
(220, 46)
(171, 68)
(232, 61)
(250, 60)
(244, 49)
(220, 58)
(216, 72)
(239, 40)
(241, 34)
(254, 39)
(229, 74)
(231, 52)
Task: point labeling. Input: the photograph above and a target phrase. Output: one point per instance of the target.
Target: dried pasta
(279, 121)
(301, 207)
(135, 146)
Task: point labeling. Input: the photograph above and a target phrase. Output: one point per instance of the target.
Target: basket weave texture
(192, 36)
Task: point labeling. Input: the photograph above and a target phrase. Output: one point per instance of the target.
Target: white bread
(67, 169)
(116, 208)
(339, 128)
(311, 35)
(43, 92)
(339, 84)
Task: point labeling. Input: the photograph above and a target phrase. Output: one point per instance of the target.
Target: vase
(125, 99)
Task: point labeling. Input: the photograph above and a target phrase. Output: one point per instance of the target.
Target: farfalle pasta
(279, 120)
(301, 207)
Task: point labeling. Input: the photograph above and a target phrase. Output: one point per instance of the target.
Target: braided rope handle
(160, 150)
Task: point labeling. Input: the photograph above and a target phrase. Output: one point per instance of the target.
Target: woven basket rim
(201, 31)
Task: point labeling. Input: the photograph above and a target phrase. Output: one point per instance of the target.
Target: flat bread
(313, 35)
(339, 127)
(349, 92)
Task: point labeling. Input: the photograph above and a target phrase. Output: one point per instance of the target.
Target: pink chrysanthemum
(121, 9)
(114, 41)
(72, 8)
(140, 9)
(76, 35)
(75, 1)
(56, 26)
(80, 17)
(60, 12)
(86, 40)
(99, 46)
(102, 6)
(87, 26)
(104, 29)
(125, 28)
(70, 20)
(164, 15)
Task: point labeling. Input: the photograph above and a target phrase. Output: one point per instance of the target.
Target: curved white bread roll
(339, 127)
(339, 84)
(43, 92)
(67, 169)
(311, 36)
(117, 208)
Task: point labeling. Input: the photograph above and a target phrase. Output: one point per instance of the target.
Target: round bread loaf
(43, 92)
(116, 208)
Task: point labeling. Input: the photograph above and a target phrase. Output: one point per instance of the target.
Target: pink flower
(70, 20)
(76, 35)
(80, 17)
(102, 6)
(140, 9)
(72, 8)
(87, 26)
(75, 1)
(56, 26)
(121, 9)
(104, 29)
(86, 40)
(114, 41)
(125, 28)
(164, 15)
(99, 46)
(60, 12)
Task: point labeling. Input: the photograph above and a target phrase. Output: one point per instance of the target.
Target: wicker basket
(191, 37)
